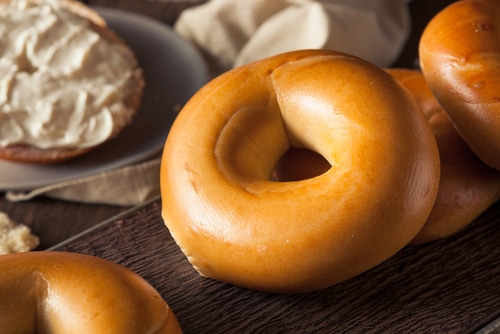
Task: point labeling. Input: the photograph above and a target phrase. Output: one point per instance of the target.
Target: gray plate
(174, 71)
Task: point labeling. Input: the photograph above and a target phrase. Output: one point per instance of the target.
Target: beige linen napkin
(231, 33)
(126, 186)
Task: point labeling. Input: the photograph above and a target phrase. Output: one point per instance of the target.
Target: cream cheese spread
(15, 237)
(62, 84)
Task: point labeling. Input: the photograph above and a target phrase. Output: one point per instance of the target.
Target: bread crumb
(15, 237)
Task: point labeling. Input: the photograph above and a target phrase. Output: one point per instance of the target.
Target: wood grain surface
(447, 286)
(54, 220)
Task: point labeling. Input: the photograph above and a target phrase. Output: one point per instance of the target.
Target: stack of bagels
(302, 170)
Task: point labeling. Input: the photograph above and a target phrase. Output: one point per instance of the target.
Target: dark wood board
(447, 286)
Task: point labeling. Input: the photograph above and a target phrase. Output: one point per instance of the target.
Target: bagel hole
(300, 164)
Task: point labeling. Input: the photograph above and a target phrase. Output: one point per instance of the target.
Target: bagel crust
(62, 292)
(460, 57)
(238, 226)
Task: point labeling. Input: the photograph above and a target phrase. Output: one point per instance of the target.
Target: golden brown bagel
(236, 225)
(59, 292)
(467, 185)
(460, 57)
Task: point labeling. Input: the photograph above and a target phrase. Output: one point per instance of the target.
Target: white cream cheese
(62, 85)
(15, 237)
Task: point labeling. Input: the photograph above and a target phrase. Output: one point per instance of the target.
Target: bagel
(459, 53)
(62, 292)
(68, 83)
(236, 225)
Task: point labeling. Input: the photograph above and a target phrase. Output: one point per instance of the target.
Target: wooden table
(447, 286)
(450, 286)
